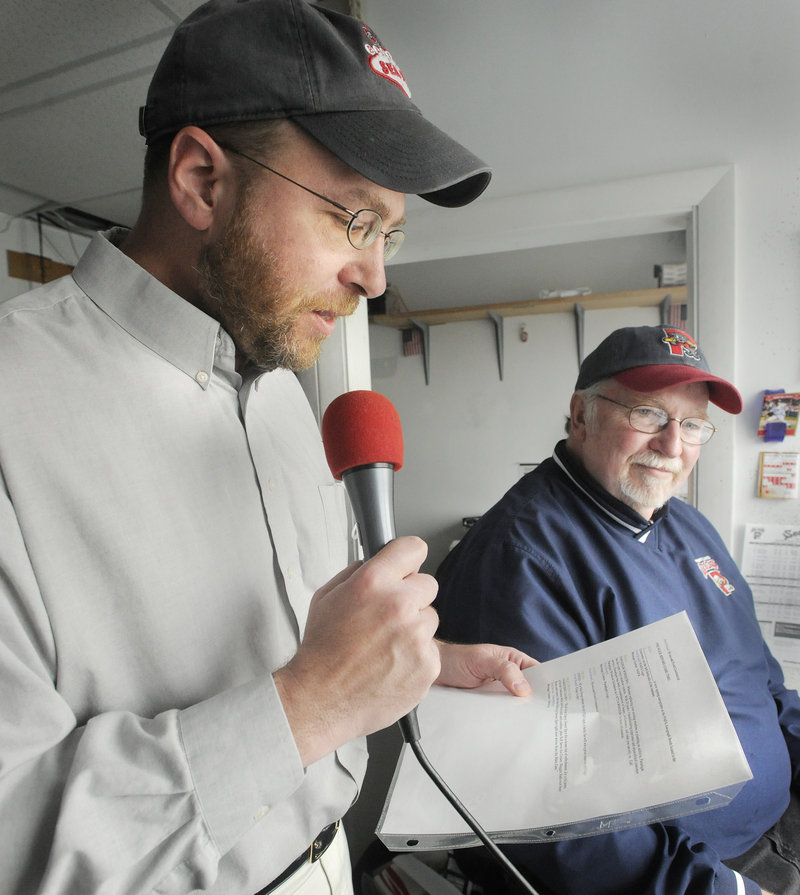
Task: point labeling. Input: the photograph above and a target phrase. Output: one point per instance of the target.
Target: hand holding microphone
(363, 441)
(368, 656)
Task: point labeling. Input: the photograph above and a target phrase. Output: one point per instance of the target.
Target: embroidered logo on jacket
(710, 569)
(680, 344)
(382, 63)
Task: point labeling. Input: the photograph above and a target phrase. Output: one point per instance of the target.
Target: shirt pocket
(334, 508)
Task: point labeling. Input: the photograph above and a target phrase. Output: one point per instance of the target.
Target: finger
(426, 588)
(429, 618)
(511, 677)
(403, 556)
(522, 659)
(393, 572)
(337, 579)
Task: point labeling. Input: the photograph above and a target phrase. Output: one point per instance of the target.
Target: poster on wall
(771, 565)
(779, 407)
(779, 475)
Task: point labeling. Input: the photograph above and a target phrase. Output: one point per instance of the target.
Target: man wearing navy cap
(593, 543)
(187, 668)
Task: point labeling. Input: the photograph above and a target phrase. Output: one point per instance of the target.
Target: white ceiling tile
(84, 147)
(16, 202)
(179, 8)
(40, 36)
(122, 208)
(91, 76)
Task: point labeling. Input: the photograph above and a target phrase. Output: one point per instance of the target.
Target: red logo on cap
(710, 569)
(382, 63)
(680, 343)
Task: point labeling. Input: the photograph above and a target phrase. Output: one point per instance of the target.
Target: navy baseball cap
(255, 60)
(649, 358)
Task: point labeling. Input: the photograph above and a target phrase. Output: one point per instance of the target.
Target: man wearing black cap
(179, 714)
(591, 544)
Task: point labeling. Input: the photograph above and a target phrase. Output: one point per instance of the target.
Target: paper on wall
(771, 565)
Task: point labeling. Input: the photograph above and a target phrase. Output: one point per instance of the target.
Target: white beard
(646, 491)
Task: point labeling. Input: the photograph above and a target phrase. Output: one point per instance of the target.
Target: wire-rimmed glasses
(364, 226)
(650, 420)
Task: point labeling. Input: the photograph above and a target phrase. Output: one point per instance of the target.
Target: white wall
(768, 311)
(624, 88)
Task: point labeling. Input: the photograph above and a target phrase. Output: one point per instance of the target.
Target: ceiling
(520, 87)
(72, 78)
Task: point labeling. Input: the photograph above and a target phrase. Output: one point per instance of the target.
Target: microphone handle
(371, 492)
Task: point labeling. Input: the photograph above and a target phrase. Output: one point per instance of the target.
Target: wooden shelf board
(637, 298)
(25, 266)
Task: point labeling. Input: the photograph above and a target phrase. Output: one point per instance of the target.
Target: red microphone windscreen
(361, 427)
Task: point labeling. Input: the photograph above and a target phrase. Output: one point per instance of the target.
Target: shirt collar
(147, 310)
(604, 502)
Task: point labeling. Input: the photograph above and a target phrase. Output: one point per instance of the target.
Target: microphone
(363, 442)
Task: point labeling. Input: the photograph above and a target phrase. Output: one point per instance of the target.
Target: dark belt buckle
(315, 851)
(320, 845)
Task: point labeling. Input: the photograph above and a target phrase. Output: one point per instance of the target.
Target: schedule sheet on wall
(771, 565)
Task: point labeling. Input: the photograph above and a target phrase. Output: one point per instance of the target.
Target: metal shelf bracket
(424, 329)
(498, 330)
(577, 310)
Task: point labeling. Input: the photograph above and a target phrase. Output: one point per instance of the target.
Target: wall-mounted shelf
(637, 298)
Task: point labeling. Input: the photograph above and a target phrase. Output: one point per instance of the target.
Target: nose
(668, 441)
(365, 272)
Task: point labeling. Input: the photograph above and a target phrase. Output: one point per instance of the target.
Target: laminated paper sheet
(622, 733)
(771, 565)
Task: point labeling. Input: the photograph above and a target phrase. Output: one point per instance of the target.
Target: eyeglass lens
(653, 419)
(364, 228)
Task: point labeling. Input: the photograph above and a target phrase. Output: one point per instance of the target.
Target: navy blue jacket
(559, 564)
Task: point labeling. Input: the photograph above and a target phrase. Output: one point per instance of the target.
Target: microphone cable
(411, 734)
(363, 442)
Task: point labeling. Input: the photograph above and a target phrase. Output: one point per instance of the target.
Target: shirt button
(202, 377)
(271, 484)
(262, 811)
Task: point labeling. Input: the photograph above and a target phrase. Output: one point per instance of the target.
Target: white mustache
(654, 461)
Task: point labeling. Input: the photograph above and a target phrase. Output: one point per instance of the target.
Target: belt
(313, 853)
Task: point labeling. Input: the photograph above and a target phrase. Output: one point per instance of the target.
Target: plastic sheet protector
(622, 733)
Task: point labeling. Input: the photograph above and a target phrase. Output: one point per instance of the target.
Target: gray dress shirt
(163, 525)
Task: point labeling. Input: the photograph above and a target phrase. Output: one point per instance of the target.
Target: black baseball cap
(255, 60)
(649, 358)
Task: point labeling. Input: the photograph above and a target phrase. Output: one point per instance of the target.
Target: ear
(199, 177)
(577, 417)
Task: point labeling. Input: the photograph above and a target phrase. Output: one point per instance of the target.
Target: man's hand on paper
(470, 665)
(368, 654)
